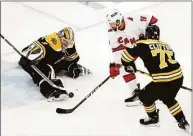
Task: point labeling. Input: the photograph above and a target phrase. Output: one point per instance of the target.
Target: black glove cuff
(112, 65)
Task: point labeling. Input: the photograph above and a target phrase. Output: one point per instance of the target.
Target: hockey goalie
(52, 54)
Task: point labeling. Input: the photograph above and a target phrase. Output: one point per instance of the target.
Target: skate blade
(188, 130)
(60, 98)
(133, 104)
(151, 125)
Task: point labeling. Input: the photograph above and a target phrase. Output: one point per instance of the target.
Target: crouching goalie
(51, 54)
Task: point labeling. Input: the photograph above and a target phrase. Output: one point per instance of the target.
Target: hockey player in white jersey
(124, 32)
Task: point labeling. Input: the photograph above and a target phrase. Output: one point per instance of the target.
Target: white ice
(25, 112)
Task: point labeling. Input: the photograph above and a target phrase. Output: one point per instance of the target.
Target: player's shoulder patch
(54, 41)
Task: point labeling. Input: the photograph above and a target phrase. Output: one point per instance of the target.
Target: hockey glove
(114, 70)
(131, 68)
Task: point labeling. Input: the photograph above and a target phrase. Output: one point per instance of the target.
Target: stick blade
(64, 111)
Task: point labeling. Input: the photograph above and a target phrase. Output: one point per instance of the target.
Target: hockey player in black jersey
(52, 54)
(166, 72)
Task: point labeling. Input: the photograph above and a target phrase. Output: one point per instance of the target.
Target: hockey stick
(65, 111)
(183, 87)
(36, 69)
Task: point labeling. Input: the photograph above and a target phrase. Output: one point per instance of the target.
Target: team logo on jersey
(54, 41)
(130, 43)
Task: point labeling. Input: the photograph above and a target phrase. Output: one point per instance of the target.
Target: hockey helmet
(114, 18)
(67, 37)
(152, 32)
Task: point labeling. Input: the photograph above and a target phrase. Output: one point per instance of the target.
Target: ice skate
(150, 121)
(183, 124)
(133, 100)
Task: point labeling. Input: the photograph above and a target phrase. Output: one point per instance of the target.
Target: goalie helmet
(67, 37)
(114, 18)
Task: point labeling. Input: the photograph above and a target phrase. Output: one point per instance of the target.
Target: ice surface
(25, 112)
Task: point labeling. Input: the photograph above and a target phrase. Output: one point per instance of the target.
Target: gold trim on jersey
(37, 43)
(126, 56)
(167, 76)
(35, 49)
(150, 41)
(124, 59)
(71, 57)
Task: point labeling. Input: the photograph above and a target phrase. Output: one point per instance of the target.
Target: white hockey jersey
(134, 27)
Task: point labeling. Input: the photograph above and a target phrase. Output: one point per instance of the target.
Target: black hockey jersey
(158, 58)
(48, 50)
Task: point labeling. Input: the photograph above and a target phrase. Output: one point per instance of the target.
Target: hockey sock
(176, 110)
(150, 109)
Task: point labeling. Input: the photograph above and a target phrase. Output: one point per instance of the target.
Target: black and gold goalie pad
(48, 50)
(158, 58)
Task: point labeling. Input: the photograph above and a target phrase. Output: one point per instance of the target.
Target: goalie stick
(36, 69)
(183, 87)
(66, 111)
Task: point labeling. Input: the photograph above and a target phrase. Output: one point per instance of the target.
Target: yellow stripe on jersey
(128, 55)
(169, 79)
(35, 48)
(167, 76)
(72, 57)
(124, 59)
(151, 41)
(167, 73)
(42, 47)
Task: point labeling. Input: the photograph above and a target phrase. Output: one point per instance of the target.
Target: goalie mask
(114, 19)
(67, 37)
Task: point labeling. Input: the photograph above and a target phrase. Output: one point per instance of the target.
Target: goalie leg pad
(49, 91)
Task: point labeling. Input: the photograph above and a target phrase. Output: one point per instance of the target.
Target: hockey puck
(71, 94)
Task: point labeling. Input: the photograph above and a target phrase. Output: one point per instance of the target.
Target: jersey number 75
(163, 53)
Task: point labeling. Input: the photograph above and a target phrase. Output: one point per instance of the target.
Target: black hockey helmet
(152, 32)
